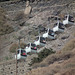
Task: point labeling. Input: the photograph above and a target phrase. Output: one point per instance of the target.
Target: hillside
(15, 24)
(5, 28)
(60, 63)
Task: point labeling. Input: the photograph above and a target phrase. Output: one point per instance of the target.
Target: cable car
(40, 41)
(31, 48)
(49, 34)
(68, 20)
(59, 27)
(21, 54)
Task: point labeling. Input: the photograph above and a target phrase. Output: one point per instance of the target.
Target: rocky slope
(39, 15)
(60, 63)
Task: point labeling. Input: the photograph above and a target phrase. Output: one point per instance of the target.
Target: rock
(28, 9)
(22, 24)
(64, 37)
(41, 28)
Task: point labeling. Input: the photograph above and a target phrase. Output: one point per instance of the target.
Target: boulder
(28, 9)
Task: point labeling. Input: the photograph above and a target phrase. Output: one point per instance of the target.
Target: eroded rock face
(28, 9)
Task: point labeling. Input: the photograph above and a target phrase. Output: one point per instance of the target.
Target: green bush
(43, 54)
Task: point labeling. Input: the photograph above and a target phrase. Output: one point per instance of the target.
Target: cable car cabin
(68, 20)
(59, 27)
(31, 48)
(40, 41)
(21, 54)
(49, 34)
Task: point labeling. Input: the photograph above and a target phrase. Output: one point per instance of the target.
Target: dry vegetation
(19, 16)
(15, 46)
(4, 27)
(69, 46)
(41, 56)
(60, 63)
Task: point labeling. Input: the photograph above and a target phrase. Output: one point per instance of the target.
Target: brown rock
(27, 9)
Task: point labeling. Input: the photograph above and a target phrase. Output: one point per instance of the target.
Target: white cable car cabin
(59, 27)
(40, 41)
(31, 48)
(49, 34)
(21, 54)
(68, 20)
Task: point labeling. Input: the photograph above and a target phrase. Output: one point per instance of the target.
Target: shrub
(15, 46)
(43, 54)
(23, 45)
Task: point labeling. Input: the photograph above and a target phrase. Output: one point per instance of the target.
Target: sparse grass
(69, 72)
(36, 65)
(69, 46)
(27, 24)
(70, 65)
(74, 34)
(35, 33)
(19, 16)
(13, 48)
(8, 58)
(4, 27)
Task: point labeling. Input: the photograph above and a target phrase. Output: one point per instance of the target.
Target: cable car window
(28, 45)
(55, 24)
(71, 19)
(37, 38)
(34, 48)
(18, 52)
(50, 32)
(42, 40)
(23, 53)
(33, 45)
(61, 26)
